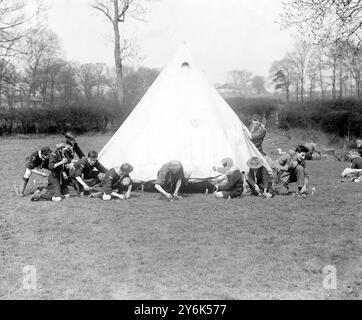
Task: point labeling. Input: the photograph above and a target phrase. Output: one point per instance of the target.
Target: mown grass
(194, 248)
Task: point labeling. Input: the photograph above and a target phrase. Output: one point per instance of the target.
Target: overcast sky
(222, 34)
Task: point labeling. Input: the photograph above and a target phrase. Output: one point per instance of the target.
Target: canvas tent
(181, 117)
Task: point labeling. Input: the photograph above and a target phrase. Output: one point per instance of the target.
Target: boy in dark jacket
(84, 173)
(258, 178)
(115, 182)
(234, 185)
(57, 180)
(74, 147)
(37, 161)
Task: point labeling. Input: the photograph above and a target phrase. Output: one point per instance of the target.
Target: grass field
(195, 248)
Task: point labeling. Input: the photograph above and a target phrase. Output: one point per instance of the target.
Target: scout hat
(255, 163)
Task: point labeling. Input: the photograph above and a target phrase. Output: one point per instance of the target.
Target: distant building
(4, 102)
(20, 102)
(229, 91)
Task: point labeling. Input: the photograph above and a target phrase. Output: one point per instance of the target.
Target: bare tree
(258, 83)
(115, 11)
(325, 21)
(16, 17)
(353, 58)
(41, 47)
(321, 63)
(312, 73)
(283, 74)
(87, 79)
(299, 56)
(239, 78)
(335, 60)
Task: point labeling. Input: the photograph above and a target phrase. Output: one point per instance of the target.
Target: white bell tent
(181, 117)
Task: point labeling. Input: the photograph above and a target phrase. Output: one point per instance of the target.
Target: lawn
(194, 248)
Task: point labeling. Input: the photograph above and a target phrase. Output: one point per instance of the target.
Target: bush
(77, 118)
(246, 107)
(341, 117)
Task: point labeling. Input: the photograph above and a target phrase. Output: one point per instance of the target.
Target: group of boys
(289, 168)
(62, 171)
(87, 173)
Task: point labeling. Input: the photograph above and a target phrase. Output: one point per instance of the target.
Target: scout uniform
(84, 169)
(259, 176)
(57, 180)
(292, 170)
(257, 137)
(70, 140)
(36, 160)
(167, 179)
(113, 180)
(234, 186)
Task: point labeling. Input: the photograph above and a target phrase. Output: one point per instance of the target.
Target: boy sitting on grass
(84, 173)
(57, 187)
(258, 179)
(170, 178)
(232, 185)
(353, 174)
(116, 181)
(37, 161)
(291, 168)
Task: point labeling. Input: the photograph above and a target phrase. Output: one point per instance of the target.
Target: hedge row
(77, 118)
(337, 117)
(340, 118)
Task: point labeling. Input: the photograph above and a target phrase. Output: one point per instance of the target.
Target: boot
(22, 188)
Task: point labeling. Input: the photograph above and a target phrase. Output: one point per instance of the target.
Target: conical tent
(181, 117)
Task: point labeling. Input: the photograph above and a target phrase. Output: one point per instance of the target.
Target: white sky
(222, 34)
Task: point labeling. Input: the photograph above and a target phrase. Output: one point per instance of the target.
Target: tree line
(326, 61)
(59, 94)
(321, 77)
(319, 71)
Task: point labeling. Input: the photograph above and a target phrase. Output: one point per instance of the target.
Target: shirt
(359, 150)
(357, 163)
(112, 180)
(257, 136)
(235, 182)
(165, 176)
(74, 150)
(83, 166)
(261, 176)
(281, 164)
(55, 157)
(36, 161)
(291, 163)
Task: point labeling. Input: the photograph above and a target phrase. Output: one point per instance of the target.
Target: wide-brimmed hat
(255, 163)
